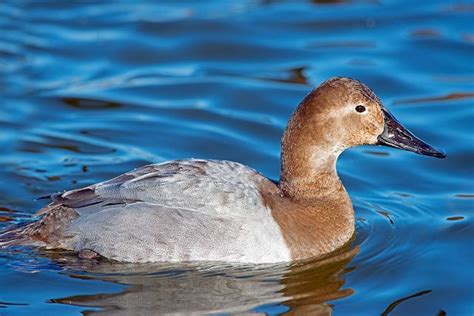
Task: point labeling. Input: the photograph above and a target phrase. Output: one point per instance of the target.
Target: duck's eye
(360, 108)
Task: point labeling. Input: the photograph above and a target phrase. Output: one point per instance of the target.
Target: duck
(217, 210)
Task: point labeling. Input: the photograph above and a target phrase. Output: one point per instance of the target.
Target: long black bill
(397, 136)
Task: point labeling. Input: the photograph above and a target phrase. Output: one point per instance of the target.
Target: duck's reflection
(203, 289)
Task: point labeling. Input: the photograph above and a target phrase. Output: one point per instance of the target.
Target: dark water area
(90, 90)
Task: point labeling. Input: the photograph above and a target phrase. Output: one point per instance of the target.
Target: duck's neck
(314, 210)
(309, 172)
(308, 156)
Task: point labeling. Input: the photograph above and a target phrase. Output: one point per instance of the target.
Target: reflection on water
(89, 90)
(211, 288)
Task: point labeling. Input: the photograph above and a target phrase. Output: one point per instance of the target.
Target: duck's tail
(17, 235)
(47, 229)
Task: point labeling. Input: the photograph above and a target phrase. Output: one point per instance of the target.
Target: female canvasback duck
(195, 210)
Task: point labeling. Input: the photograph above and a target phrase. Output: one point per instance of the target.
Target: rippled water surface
(92, 89)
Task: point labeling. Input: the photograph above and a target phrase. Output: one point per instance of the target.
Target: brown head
(339, 114)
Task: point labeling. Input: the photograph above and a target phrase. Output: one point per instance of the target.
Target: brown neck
(308, 171)
(305, 175)
(314, 212)
(309, 153)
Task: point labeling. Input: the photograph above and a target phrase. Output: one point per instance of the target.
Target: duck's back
(175, 211)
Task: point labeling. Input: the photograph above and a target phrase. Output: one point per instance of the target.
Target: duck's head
(343, 113)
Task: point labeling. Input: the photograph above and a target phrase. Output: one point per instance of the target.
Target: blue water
(90, 90)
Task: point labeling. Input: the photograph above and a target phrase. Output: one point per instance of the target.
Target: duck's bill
(397, 136)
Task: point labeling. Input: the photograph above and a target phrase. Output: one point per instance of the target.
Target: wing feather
(209, 186)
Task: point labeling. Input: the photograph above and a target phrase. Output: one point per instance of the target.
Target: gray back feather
(207, 186)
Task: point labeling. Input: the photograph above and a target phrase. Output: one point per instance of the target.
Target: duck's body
(184, 210)
(194, 210)
(190, 210)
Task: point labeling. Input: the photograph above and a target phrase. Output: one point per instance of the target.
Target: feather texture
(180, 210)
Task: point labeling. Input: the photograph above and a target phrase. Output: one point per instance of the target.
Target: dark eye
(360, 108)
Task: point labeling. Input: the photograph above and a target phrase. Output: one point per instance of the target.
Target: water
(91, 90)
